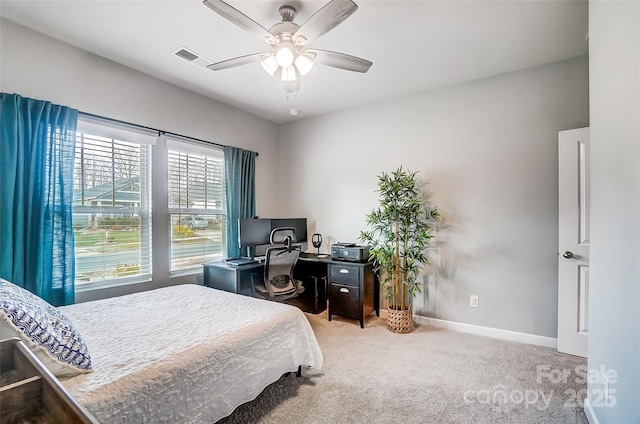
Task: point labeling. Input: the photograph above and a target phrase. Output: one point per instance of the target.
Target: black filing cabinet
(353, 292)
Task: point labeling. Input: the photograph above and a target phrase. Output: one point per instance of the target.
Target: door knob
(567, 255)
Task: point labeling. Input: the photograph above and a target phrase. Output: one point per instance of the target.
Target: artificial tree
(400, 230)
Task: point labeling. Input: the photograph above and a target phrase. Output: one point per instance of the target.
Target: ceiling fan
(289, 56)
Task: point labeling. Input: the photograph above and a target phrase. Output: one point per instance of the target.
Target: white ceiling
(414, 45)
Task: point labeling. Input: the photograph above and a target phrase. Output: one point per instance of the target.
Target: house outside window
(112, 203)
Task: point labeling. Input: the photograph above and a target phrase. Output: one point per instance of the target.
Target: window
(112, 203)
(197, 204)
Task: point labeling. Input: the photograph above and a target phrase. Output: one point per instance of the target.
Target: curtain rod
(160, 132)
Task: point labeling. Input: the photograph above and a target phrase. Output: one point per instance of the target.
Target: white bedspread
(185, 354)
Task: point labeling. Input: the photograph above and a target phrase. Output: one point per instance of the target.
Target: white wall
(34, 65)
(488, 149)
(614, 296)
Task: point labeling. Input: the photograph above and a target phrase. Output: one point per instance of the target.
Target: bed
(185, 354)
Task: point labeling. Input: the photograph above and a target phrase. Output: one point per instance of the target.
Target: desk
(350, 288)
(234, 279)
(311, 269)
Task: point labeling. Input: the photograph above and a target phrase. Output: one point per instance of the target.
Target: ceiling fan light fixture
(284, 56)
(289, 73)
(270, 64)
(303, 64)
(289, 59)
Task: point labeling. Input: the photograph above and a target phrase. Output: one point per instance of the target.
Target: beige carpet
(432, 375)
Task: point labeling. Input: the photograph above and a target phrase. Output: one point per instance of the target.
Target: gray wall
(37, 66)
(614, 297)
(488, 149)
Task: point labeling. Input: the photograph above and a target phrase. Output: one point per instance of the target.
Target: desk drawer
(344, 300)
(345, 274)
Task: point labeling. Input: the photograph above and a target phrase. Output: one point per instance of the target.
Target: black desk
(311, 269)
(351, 289)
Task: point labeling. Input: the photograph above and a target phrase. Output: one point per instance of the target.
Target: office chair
(280, 260)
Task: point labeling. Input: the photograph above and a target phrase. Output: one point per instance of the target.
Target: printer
(349, 252)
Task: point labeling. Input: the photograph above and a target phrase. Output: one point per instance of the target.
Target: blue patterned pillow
(47, 331)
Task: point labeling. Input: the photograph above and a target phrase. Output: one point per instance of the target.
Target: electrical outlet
(473, 301)
(605, 388)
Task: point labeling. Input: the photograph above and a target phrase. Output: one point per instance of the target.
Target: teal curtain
(240, 182)
(37, 148)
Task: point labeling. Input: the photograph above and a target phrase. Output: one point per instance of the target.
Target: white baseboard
(496, 333)
(588, 411)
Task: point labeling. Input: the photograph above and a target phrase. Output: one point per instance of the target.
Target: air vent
(186, 54)
(191, 56)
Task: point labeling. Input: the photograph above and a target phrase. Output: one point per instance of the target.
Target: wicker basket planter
(400, 321)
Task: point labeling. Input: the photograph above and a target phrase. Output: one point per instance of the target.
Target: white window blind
(197, 204)
(112, 204)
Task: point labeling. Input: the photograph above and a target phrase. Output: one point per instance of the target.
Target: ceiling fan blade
(243, 21)
(238, 61)
(338, 60)
(324, 20)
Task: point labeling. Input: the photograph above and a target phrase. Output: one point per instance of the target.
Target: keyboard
(313, 255)
(240, 261)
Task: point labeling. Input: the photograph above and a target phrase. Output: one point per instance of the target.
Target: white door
(573, 241)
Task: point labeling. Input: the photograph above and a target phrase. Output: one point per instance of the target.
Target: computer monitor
(299, 224)
(253, 231)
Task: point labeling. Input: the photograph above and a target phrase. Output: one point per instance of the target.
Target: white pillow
(44, 329)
